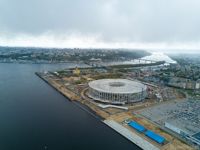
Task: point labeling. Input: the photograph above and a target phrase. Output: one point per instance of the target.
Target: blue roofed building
(157, 138)
(136, 126)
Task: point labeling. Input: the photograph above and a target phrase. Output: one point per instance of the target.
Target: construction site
(74, 84)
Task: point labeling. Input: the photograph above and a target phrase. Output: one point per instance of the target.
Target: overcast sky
(101, 23)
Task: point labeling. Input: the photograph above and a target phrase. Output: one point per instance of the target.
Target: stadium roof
(117, 86)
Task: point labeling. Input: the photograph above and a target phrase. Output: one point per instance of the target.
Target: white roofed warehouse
(117, 91)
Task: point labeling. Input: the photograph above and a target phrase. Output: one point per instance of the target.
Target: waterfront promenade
(144, 144)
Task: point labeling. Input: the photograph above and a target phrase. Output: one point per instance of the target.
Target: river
(33, 116)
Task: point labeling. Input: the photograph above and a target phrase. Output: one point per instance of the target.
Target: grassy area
(81, 81)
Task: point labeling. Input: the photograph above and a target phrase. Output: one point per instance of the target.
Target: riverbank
(94, 112)
(76, 93)
(68, 94)
(72, 97)
(130, 135)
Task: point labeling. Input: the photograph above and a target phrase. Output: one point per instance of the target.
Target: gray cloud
(140, 21)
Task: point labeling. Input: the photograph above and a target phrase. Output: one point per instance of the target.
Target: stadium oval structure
(117, 91)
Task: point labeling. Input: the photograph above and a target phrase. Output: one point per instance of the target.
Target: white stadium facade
(117, 91)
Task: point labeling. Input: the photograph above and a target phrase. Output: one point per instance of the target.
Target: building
(184, 83)
(117, 91)
(197, 86)
(76, 71)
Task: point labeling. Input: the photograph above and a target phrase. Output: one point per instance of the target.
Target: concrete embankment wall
(139, 141)
(45, 80)
(77, 103)
(112, 124)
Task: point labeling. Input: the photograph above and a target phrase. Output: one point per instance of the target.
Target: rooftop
(117, 86)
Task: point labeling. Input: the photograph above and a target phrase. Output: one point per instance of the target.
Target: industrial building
(190, 132)
(181, 117)
(150, 134)
(157, 138)
(117, 91)
(136, 126)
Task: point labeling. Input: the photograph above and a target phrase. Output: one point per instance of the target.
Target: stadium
(117, 91)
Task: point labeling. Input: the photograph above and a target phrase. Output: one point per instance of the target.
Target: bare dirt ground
(121, 115)
(173, 143)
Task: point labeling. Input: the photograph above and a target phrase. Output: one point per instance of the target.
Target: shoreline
(132, 137)
(110, 118)
(37, 74)
(89, 111)
(77, 103)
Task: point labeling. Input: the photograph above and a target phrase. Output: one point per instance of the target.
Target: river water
(33, 116)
